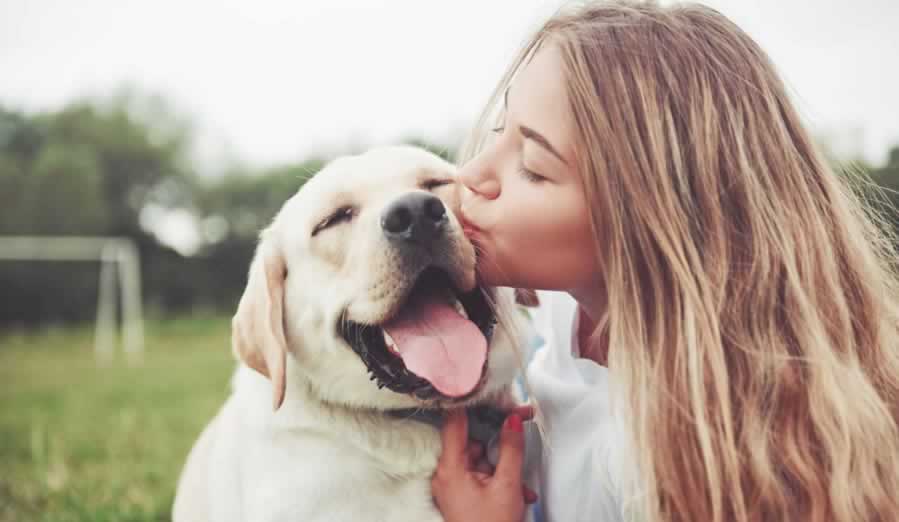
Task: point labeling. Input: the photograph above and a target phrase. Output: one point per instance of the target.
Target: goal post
(119, 263)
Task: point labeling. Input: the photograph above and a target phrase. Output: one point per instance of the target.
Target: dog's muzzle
(433, 341)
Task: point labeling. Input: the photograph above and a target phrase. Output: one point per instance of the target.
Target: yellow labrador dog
(362, 302)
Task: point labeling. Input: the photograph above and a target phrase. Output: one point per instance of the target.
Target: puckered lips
(434, 346)
(468, 228)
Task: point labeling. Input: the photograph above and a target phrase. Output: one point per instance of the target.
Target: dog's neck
(484, 422)
(431, 417)
(411, 449)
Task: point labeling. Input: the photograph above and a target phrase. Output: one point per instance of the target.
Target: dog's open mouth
(434, 345)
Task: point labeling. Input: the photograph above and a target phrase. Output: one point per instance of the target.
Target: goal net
(119, 269)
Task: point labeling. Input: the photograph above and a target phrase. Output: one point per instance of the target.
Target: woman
(729, 348)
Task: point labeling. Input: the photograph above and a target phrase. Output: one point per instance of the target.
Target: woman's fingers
(475, 452)
(525, 411)
(483, 467)
(454, 436)
(465, 487)
(511, 450)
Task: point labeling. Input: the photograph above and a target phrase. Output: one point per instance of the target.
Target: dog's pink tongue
(439, 345)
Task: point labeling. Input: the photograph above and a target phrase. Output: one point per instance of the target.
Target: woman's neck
(590, 310)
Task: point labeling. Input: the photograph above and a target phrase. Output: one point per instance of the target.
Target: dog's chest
(309, 461)
(318, 478)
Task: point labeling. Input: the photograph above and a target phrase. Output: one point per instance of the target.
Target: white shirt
(581, 475)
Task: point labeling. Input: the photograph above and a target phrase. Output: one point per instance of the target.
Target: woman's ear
(257, 329)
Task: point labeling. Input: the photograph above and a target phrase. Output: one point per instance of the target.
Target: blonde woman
(725, 342)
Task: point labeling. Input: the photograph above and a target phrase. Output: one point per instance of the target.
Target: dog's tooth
(459, 308)
(391, 344)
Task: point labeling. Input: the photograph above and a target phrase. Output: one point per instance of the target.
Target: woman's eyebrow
(530, 133)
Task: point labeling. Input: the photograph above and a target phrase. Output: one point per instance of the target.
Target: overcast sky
(269, 82)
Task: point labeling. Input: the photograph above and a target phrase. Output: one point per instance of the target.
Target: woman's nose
(479, 178)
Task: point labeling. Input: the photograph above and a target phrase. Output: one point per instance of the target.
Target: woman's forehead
(538, 99)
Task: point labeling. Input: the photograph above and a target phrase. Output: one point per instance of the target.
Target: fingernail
(513, 422)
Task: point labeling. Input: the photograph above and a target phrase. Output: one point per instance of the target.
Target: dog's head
(366, 278)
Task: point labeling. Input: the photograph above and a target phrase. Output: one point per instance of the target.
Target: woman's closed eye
(341, 215)
(530, 175)
(526, 173)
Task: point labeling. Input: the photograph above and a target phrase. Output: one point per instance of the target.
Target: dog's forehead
(353, 179)
(373, 171)
(392, 166)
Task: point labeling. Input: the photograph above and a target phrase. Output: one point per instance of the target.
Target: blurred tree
(234, 209)
(141, 160)
(87, 169)
(248, 201)
(63, 194)
(447, 153)
(100, 162)
(887, 177)
(20, 142)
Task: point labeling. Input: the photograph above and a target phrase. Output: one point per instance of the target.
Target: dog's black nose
(417, 216)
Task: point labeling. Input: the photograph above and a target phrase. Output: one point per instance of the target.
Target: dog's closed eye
(341, 215)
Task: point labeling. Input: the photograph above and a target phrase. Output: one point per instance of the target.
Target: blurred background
(181, 127)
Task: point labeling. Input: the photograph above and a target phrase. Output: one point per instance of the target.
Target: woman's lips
(475, 236)
(468, 227)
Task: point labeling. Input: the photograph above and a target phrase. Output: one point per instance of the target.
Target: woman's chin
(495, 273)
(489, 276)
(488, 279)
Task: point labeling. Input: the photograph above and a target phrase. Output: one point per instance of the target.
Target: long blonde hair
(753, 311)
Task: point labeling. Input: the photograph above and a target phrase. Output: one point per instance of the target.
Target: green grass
(81, 441)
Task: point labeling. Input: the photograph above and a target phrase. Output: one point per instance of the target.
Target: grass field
(83, 442)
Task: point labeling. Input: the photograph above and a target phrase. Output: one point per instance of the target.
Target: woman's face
(523, 203)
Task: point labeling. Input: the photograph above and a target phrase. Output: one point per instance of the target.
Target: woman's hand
(464, 486)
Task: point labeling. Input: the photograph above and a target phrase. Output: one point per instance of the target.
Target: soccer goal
(119, 267)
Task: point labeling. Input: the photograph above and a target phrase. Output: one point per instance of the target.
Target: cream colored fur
(327, 450)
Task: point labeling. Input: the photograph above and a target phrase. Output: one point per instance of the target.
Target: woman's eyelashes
(526, 173)
(530, 175)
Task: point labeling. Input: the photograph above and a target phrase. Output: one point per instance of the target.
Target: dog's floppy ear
(257, 329)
